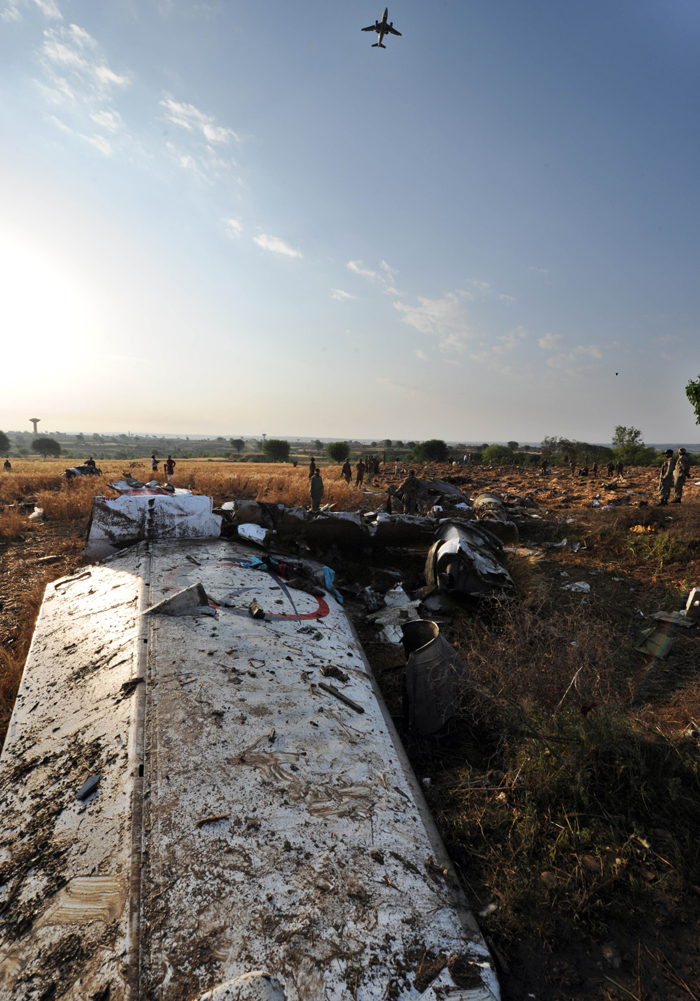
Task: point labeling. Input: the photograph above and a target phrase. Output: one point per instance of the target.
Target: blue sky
(237, 217)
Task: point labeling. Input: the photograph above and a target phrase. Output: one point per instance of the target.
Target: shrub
(4, 444)
(434, 450)
(497, 453)
(276, 449)
(338, 451)
(46, 447)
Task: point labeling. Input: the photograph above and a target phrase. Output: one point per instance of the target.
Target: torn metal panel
(399, 529)
(66, 843)
(255, 837)
(340, 528)
(465, 558)
(139, 515)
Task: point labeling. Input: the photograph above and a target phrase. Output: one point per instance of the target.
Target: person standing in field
(316, 488)
(169, 466)
(7, 466)
(312, 467)
(360, 467)
(611, 468)
(595, 470)
(346, 471)
(154, 463)
(619, 469)
(408, 492)
(680, 474)
(666, 477)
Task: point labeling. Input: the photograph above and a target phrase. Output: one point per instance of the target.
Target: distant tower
(34, 421)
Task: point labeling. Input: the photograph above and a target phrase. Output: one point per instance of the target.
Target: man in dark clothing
(360, 467)
(90, 462)
(312, 467)
(595, 470)
(316, 488)
(7, 466)
(680, 474)
(346, 471)
(169, 466)
(376, 466)
(619, 469)
(666, 477)
(611, 468)
(544, 466)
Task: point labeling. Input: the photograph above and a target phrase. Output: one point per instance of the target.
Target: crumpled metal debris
(579, 587)
(435, 678)
(465, 558)
(397, 611)
(490, 508)
(192, 600)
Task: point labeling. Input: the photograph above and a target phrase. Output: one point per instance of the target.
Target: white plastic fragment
(254, 533)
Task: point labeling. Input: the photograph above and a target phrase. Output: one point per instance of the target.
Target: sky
(237, 217)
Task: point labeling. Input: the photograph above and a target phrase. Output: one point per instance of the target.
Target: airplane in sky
(382, 28)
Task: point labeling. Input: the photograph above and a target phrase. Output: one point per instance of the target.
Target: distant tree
(513, 446)
(410, 444)
(497, 453)
(373, 444)
(434, 450)
(318, 445)
(485, 445)
(692, 391)
(238, 444)
(4, 444)
(46, 447)
(97, 437)
(629, 448)
(80, 436)
(218, 439)
(387, 443)
(399, 444)
(276, 449)
(338, 451)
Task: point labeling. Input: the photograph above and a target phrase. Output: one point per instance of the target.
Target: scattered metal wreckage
(465, 559)
(489, 508)
(82, 470)
(657, 641)
(218, 806)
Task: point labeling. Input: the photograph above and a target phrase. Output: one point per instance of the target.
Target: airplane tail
(378, 45)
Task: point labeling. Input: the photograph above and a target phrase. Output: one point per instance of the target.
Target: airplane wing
(371, 28)
(392, 30)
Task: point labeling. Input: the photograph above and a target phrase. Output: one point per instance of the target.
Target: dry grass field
(574, 816)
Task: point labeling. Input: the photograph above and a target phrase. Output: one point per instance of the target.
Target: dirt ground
(574, 818)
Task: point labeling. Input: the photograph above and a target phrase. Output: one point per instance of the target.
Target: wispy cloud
(589, 349)
(339, 294)
(506, 345)
(445, 318)
(420, 355)
(186, 116)
(276, 245)
(384, 277)
(481, 288)
(110, 120)
(540, 271)
(76, 67)
(233, 227)
(506, 298)
(12, 12)
(99, 142)
(550, 342)
(358, 268)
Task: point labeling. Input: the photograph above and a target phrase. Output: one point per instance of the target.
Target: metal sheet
(274, 827)
(141, 515)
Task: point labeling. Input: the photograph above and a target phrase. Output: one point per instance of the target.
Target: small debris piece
(591, 863)
(129, 687)
(88, 787)
(334, 672)
(332, 690)
(256, 610)
(655, 643)
(578, 587)
(549, 880)
(192, 600)
(49, 559)
(213, 818)
(611, 955)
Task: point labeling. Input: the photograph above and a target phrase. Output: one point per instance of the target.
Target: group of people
(168, 466)
(674, 473)
(407, 493)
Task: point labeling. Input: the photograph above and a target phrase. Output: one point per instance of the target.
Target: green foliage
(692, 391)
(387, 443)
(497, 453)
(318, 445)
(555, 449)
(513, 446)
(4, 444)
(434, 450)
(629, 448)
(338, 451)
(238, 444)
(46, 447)
(276, 449)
